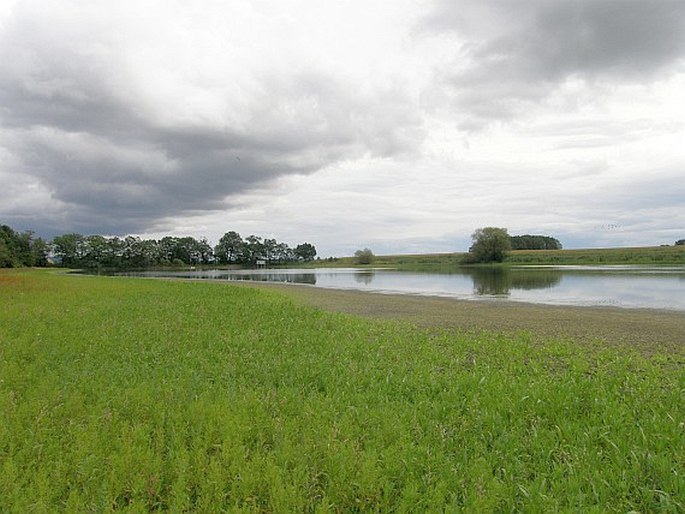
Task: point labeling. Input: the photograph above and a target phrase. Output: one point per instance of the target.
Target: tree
(96, 252)
(305, 252)
(71, 248)
(364, 256)
(39, 249)
(284, 253)
(230, 248)
(8, 254)
(140, 253)
(206, 251)
(191, 251)
(21, 249)
(254, 249)
(528, 242)
(270, 250)
(167, 249)
(680, 242)
(490, 244)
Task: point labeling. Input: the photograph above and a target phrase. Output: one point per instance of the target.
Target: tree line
(528, 242)
(96, 251)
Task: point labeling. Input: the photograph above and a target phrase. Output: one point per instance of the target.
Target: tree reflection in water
(292, 278)
(364, 277)
(500, 281)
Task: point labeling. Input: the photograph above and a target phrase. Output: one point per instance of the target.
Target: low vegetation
(655, 255)
(641, 255)
(140, 395)
(364, 256)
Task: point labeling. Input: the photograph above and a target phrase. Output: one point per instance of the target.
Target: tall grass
(124, 394)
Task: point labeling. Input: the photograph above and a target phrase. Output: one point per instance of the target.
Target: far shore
(646, 330)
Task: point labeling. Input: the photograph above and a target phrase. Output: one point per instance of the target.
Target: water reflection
(364, 277)
(500, 281)
(291, 278)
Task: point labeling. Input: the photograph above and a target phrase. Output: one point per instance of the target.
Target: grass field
(656, 255)
(140, 395)
(644, 255)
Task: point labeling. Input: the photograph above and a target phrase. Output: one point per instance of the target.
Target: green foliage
(364, 256)
(124, 394)
(21, 249)
(95, 251)
(490, 244)
(528, 242)
(230, 248)
(305, 252)
(680, 242)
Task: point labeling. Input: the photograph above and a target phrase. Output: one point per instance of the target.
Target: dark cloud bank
(114, 167)
(519, 52)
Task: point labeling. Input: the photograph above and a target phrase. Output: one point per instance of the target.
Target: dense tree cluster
(232, 249)
(96, 251)
(21, 249)
(680, 242)
(528, 242)
(76, 250)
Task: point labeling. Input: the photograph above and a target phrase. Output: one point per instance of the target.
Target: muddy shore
(647, 330)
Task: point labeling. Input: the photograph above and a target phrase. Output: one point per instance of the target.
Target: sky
(397, 125)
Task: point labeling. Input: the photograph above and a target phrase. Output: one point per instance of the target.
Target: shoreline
(646, 330)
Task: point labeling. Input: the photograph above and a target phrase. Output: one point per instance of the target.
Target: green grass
(655, 255)
(140, 395)
(643, 255)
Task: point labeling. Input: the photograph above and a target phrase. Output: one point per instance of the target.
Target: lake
(615, 286)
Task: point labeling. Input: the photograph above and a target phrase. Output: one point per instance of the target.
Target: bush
(364, 256)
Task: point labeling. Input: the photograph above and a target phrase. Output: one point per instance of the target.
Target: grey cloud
(70, 122)
(518, 52)
(659, 189)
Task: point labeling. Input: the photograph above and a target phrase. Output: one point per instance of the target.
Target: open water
(617, 286)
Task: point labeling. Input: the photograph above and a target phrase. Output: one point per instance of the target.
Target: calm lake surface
(617, 286)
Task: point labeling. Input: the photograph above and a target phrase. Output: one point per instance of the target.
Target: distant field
(142, 395)
(639, 255)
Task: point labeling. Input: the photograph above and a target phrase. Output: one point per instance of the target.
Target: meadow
(139, 395)
(648, 255)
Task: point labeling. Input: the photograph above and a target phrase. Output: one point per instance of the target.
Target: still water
(617, 286)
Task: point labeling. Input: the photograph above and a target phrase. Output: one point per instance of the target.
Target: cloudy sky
(399, 125)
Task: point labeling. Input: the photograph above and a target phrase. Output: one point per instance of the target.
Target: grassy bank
(147, 395)
(656, 255)
(642, 255)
